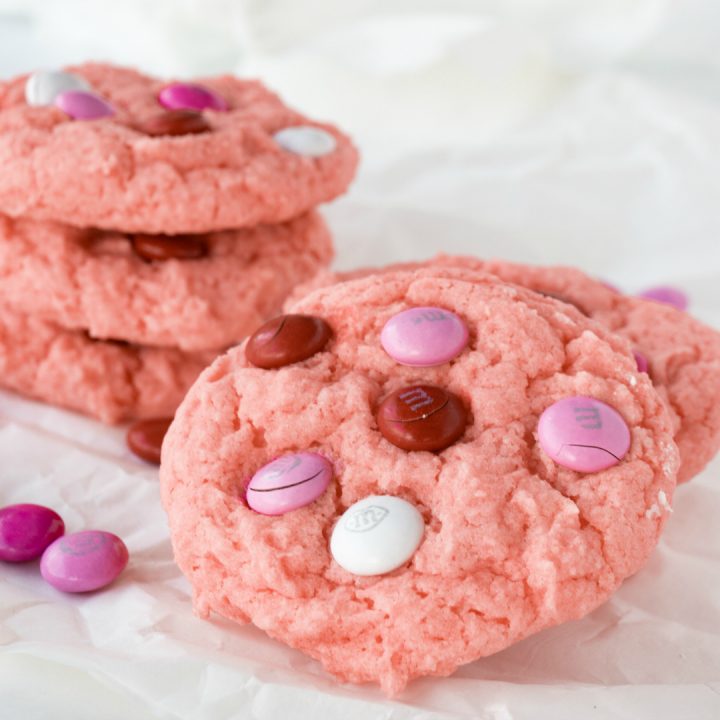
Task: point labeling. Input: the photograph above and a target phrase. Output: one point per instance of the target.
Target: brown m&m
(287, 339)
(422, 417)
(174, 123)
(562, 299)
(169, 247)
(145, 438)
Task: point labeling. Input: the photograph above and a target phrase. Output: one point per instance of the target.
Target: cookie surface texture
(496, 540)
(150, 167)
(120, 286)
(680, 353)
(110, 381)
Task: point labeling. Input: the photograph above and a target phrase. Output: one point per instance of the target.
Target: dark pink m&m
(26, 530)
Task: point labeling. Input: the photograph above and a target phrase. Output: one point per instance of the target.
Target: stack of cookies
(146, 226)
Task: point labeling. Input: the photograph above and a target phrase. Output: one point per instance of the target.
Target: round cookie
(165, 162)
(108, 283)
(110, 381)
(512, 542)
(681, 353)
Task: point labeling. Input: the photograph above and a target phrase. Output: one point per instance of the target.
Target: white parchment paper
(556, 132)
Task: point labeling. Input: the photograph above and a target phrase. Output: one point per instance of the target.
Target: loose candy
(82, 105)
(145, 438)
(174, 123)
(424, 336)
(26, 530)
(169, 247)
(668, 295)
(44, 86)
(422, 417)
(288, 483)
(306, 141)
(376, 535)
(583, 434)
(189, 96)
(84, 561)
(287, 339)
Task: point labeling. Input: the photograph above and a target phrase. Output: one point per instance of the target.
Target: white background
(556, 131)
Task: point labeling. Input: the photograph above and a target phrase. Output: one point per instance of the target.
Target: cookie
(396, 518)
(681, 354)
(110, 381)
(139, 154)
(196, 292)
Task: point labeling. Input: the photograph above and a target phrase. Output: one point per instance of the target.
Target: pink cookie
(110, 381)
(165, 161)
(681, 354)
(412, 562)
(230, 282)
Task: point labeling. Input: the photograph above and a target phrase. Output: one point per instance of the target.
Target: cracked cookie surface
(683, 354)
(513, 542)
(112, 173)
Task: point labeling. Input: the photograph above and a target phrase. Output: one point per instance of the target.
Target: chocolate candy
(305, 140)
(583, 434)
(422, 417)
(26, 530)
(424, 336)
(82, 105)
(563, 299)
(668, 295)
(169, 247)
(84, 561)
(44, 86)
(287, 339)
(145, 438)
(189, 96)
(376, 535)
(175, 122)
(289, 483)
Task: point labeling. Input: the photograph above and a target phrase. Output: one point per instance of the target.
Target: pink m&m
(289, 483)
(583, 434)
(84, 561)
(641, 360)
(668, 295)
(82, 105)
(424, 336)
(188, 96)
(26, 530)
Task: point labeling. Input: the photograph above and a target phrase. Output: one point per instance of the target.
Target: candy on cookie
(435, 511)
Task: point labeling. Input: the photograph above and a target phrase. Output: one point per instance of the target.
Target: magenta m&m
(583, 434)
(26, 530)
(668, 295)
(288, 483)
(83, 105)
(424, 336)
(84, 561)
(641, 361)
(189, 96)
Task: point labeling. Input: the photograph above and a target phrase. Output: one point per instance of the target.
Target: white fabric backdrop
(551, 131)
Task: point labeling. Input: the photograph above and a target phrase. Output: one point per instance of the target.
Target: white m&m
(44, 86)
(305, 140)
(376, 535)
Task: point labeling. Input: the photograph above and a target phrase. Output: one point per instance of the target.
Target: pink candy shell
(668, 295)
(84, 561)
(26, 530)
(187, 96)
(288, 483)
(583, 434)
(82, 105)
(424, 336)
